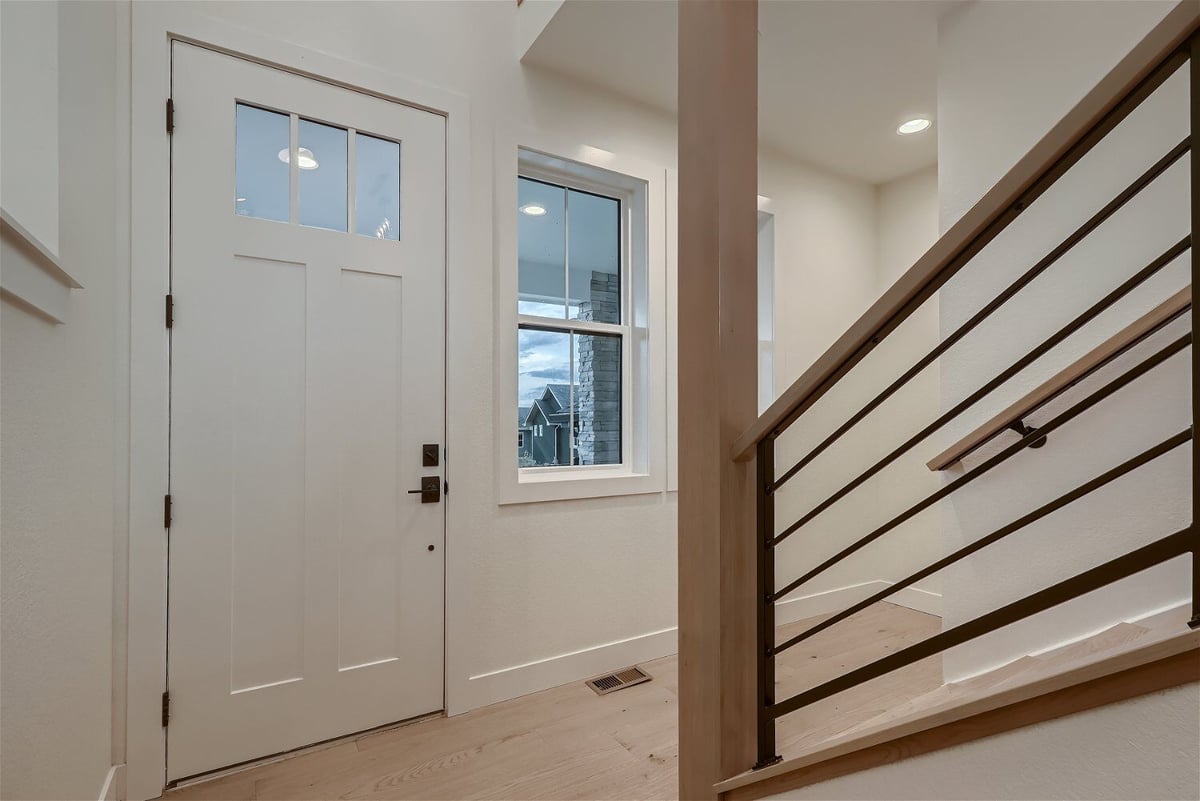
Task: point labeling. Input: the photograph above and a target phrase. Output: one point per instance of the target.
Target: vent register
(610, 683)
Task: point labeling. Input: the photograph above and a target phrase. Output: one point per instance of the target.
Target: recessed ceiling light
(305, 159)
(533, 209)
(915, 125)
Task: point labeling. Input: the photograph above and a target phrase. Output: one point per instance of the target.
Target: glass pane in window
(596, 434)
(594, 257)
(322, 163)
(541, 249)
(376, 187)
(543, 397)
(261, 177)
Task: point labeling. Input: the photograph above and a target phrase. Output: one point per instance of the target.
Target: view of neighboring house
(547, 433)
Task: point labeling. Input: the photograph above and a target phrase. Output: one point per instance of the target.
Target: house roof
(561, 394)
(552, 405)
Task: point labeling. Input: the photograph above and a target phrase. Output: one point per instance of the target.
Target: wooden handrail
(1031, 175)
(1081, 367)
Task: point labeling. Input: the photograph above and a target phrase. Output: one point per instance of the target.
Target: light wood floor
(568, 743)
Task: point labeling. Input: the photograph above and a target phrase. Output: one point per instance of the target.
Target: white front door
(307, 375)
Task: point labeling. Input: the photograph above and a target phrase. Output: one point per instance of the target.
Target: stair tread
(1040, 678)
(1112, 637)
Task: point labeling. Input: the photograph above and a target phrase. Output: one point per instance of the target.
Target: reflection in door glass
(322, 167)
(376, 187)
(261, 176)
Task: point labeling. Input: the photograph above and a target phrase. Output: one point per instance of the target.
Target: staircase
(812, 727)
(1123, 661)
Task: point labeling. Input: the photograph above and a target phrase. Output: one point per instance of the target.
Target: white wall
(29, 84)
(1147, 747)
(1007, 73)
(907, 225)
(541, 593)
(60, 464)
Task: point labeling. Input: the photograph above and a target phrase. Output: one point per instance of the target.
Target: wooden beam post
(718, 386)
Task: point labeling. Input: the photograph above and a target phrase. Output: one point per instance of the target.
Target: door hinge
(166, 708)
(170, 116)
(166, 511)
(170, 311)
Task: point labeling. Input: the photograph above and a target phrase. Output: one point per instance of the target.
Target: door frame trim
(154, 26)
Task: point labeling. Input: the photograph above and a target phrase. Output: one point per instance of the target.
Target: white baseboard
(542, 674)
(113, 789)
(796, 608)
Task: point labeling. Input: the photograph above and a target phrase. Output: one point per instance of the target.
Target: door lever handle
(431, 489)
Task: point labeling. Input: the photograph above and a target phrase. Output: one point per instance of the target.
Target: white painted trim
(1183, 604)
(47, 259)
(532, 18)
(516, 680)
(111, 789)
(644, 476)
(542, 674)
(921, 600)
(154, 26)
(33, 276)
(828, 602)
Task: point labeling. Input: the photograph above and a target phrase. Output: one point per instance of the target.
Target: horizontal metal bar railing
(891, 311)
(1061, 419)
(1109, 476)
(1064, 247)
(1133, 562)
(1016, 367)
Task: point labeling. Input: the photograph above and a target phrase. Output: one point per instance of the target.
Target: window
(580, 324)
(333, 166)
(570, 304)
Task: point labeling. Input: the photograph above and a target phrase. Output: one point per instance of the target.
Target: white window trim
(644, 435)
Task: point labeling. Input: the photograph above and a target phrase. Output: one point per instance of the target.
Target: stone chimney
(598, 367)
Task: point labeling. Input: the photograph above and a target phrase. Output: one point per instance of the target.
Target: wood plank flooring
(568, 743)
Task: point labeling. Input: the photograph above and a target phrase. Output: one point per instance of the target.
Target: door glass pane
(596, 435)
(541, 249)
(594, 257)
(543, 397)
(376, 187)
(322, 163)
(261, 178)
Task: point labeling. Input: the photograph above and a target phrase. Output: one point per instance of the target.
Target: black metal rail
(769, 482)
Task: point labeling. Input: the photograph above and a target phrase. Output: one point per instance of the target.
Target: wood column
(718, 386)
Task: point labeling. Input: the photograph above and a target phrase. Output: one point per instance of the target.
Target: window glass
(376, 187)
(544, 387)
(322, 168)
(541, 249)
(596, 431)
(593, 257)
(262, 179)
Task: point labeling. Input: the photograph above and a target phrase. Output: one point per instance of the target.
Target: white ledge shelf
(33, 276)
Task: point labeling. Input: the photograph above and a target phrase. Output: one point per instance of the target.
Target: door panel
(307, 370)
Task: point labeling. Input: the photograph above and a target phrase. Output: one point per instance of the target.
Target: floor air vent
(603, 685)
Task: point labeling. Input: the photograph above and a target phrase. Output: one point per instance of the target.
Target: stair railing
(1167, 48)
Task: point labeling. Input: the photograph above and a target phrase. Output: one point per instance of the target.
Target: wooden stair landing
(1123, 661)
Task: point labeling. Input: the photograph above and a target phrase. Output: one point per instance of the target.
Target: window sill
(575, 484)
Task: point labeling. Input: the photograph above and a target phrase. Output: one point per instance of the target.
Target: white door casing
(307, 371)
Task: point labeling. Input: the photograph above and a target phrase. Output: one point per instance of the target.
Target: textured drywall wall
(58, 467)
(1007, 73)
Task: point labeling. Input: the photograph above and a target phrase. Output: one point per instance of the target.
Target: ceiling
(835, 76)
